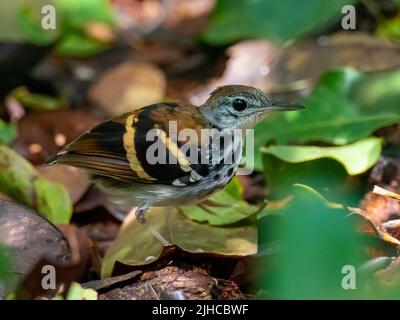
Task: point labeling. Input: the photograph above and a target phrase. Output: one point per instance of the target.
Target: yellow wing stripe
(175, 151)
(129, 145)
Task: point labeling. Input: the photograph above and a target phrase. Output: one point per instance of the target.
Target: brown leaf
(128, 86)
(386, 193)
(92, 199)
(303, 62)
(30, 238)
(83, 260)
(249, 64)
(41, 135)
(178, 282)
(380, 209)
(83, 251)
(136, 246)
(386, 174)
(190, 17)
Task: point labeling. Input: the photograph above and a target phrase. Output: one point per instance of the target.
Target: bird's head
(241, 107)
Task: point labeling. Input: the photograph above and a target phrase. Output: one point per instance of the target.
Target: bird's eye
(239, 104)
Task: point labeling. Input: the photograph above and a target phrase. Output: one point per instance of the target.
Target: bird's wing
(124, 148)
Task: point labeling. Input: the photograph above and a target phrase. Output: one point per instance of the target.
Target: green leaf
(273, 20)
(356, 158)
(234, 188)
(53, 201)
(29, 20)
(227, 210)
(135, 245)
(37, 102)
(79, 45)
(325, 168)
(4, 264)
(8, 131)
(76, 292)
(345, 106)
(5, 282)
(21, 20)
(78, 13)
(20, 181)
(318, 242)
(389, 29)
(325, 174)
(225, 207)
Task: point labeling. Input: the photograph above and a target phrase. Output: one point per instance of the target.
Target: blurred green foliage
(77, 292)
(317, 242)
(28, 21)
(4, 264)
(22, 22)
(8, 132)
(76, 44)
(326, 169)
(390, 28)
(4, 272)
(20, 181)
(278, 21)
(37, 102)
(77, 13)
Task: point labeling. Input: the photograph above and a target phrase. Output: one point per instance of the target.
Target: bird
(137, 172)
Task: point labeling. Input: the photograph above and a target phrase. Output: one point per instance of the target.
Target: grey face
(240, 107)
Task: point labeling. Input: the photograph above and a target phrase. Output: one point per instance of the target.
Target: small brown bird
(125, 158)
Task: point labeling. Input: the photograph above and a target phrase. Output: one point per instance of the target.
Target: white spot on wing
(178, 183)
(195, 176)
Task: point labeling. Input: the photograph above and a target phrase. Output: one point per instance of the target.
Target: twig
(386, 193)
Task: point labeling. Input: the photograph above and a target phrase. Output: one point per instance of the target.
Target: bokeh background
(291, 230)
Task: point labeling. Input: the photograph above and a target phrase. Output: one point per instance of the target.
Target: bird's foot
(140, 217)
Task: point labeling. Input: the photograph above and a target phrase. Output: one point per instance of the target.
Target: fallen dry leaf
(43, 134)
(379, 209)
(128, 86)
(81, 246)
(249, 64)
(386, 193)
(30, 238)
(135, 245)
(178, 282)
(303, 62)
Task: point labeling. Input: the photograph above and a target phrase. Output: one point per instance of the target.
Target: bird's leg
(140, 217)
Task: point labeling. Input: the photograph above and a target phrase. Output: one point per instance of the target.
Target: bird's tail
(54, 158)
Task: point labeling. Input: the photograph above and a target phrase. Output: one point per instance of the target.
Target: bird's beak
(276, 105)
